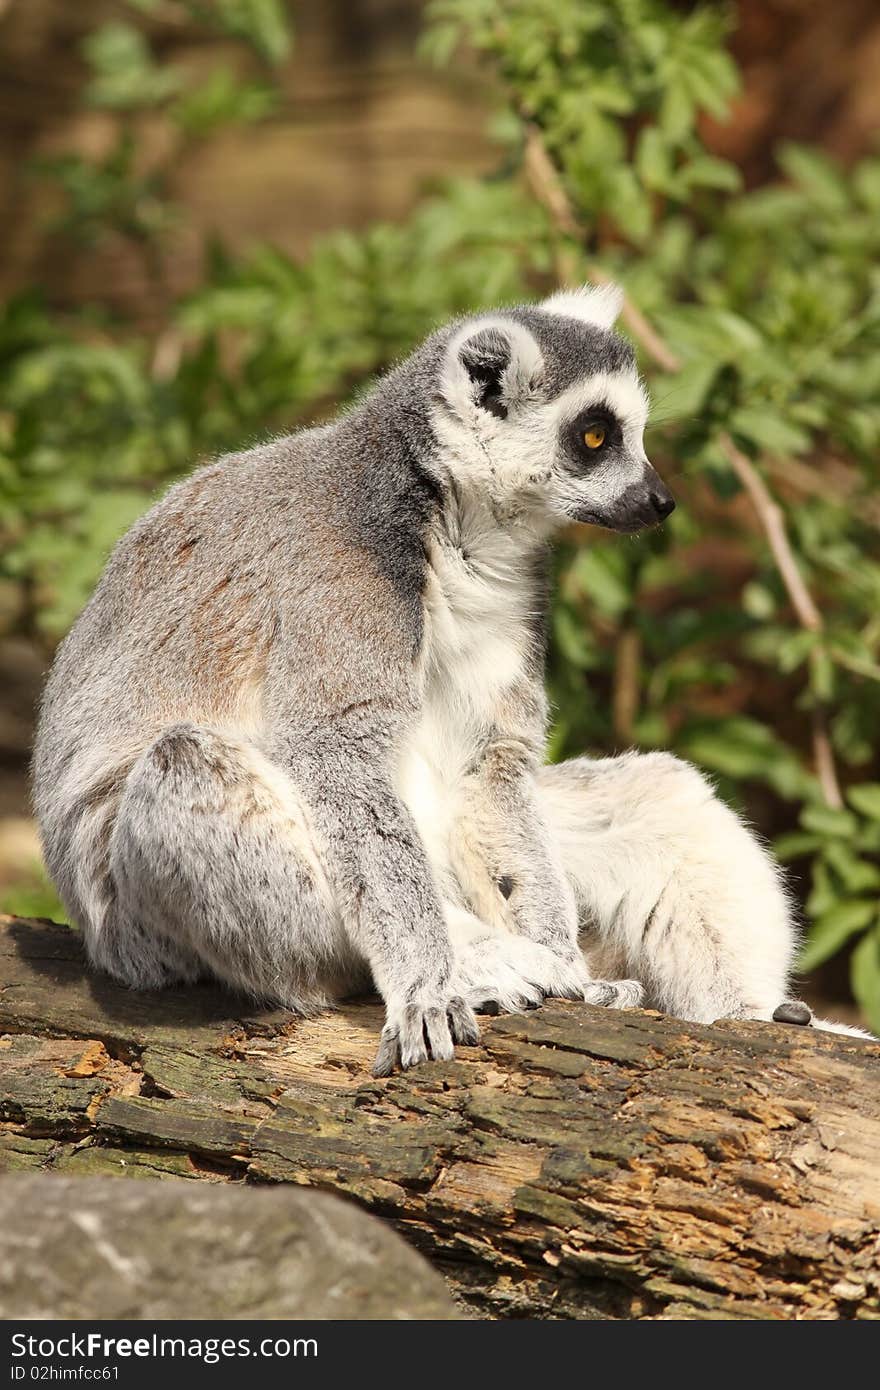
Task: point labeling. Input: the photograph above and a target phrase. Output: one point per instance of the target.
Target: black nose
(663, 503)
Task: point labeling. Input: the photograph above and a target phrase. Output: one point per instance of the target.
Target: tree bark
(578, 1163)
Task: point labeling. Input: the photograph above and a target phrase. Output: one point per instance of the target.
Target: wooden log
(579, 1163)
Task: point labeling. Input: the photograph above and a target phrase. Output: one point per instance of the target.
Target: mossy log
(579, 1163)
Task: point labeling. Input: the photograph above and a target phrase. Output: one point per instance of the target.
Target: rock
(88, 1248)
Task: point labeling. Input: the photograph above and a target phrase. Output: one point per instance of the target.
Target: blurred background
(220, 217)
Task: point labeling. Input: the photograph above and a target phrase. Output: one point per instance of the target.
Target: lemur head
(542, 408)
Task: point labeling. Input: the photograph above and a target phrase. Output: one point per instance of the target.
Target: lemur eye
(594, 436)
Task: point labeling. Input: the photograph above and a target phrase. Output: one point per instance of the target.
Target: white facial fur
(606, 482)
(511, 450)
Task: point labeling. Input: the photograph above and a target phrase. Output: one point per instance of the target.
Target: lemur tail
(830, 1026)
(795, 1011)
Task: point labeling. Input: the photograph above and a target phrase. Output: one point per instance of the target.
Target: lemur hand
(417, 1030)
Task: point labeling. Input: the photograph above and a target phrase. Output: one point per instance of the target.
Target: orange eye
(594, 437)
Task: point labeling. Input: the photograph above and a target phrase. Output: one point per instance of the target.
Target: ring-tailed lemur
(295, 739)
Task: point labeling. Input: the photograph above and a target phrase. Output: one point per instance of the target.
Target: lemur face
(544, 409)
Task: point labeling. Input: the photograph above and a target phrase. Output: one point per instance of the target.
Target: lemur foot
(604, 994)
(498, 972)
(416, 1032)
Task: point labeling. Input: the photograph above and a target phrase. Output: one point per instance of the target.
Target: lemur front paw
(415, 1032)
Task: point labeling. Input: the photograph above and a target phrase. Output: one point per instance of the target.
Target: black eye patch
(591, 436)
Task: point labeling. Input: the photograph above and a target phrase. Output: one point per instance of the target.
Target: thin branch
(547, 186)
(167, 354)
(627, 679)
(771, 517)
(823, 759)
(548, 189)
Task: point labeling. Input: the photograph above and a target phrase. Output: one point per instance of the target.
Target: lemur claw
(462, 1023)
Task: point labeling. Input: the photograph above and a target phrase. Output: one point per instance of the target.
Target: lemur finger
(523, 998)
(533, 995)
(413, 1046)
(389, 1052)
(630, 994)
(614, 994)
(439, 1035)
(793, 1011)
(563, 991)
(462, 1024)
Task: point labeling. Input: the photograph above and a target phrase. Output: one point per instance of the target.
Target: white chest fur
(477, 606)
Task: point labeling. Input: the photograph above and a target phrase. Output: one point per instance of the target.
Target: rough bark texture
(579, 1163)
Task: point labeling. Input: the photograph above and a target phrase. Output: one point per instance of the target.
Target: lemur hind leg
(671, 886)
(213, 870)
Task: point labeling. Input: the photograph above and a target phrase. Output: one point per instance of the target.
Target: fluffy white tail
(829, 1026)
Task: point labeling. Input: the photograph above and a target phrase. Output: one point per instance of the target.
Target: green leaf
(223, 100)
(573, 640)
(865, 976)
(689, 390)
(706, 171)
(856, 874)
(261, 23)
(677, 112)
(769, 430)
(126, 77)
(833, 929)
(825, 820)
(600, 574)
(865, 798)
(745, 750)
(795, 845)
(758, 601)
(653, 158)
(439, 42)
(816, 174)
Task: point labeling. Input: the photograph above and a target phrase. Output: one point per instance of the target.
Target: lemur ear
(598, 305)
(494, 366)
(486, 357)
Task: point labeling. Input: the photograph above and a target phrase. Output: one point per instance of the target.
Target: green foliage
(586, 71)
(770, 299)
(125, 74)
(263, 24)
(32, 895)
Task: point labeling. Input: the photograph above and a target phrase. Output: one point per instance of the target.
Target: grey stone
(88, 1248)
